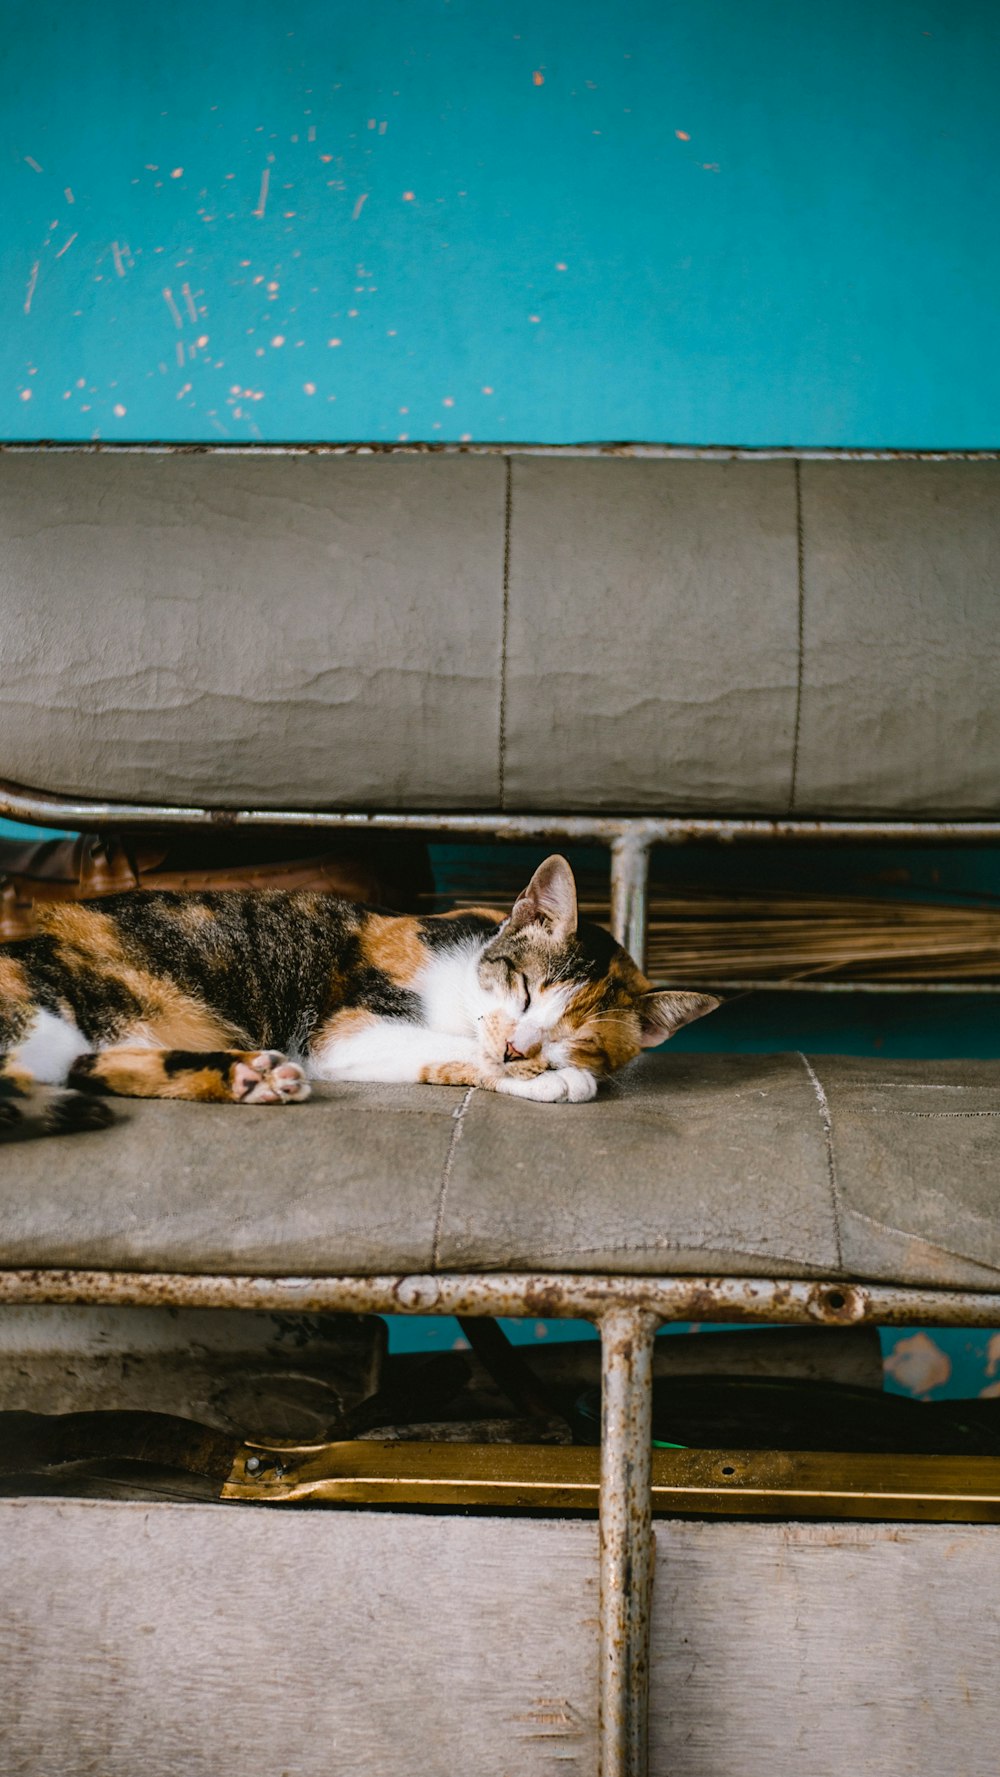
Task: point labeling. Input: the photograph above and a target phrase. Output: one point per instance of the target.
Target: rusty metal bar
(816, 984)
(684, 453)
(629, 892)
(641, 831)
(519, 1295)
(626, 1539)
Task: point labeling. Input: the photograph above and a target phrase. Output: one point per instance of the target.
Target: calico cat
(244, 997)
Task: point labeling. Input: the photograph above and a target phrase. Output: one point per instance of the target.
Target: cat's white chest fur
(450, 993)
(395, 1050)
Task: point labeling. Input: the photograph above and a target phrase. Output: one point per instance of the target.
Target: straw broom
(704, 936)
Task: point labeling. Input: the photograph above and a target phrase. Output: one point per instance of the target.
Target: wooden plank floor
(180, 1640)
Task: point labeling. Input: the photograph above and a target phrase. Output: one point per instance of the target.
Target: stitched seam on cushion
(508, 507)
(871, 1110)
(800, 570)
(827, 1121)
(449, 1161)
(542, 1255)
(914, 1086)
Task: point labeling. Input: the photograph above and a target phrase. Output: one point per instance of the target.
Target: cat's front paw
(561, 1085)
(268, 1078)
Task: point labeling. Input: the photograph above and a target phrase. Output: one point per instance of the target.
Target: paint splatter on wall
(721, 225)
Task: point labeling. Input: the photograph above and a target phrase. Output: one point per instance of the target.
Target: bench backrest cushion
(534, 633)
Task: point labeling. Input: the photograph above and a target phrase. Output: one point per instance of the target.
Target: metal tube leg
(626, 1539)
(629, 886)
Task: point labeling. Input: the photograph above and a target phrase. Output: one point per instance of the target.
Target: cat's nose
(512, 1054)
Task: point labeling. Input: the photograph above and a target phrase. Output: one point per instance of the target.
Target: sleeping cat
(245, 997)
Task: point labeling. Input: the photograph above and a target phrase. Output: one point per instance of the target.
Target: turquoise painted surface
(927, 1364)
(767, 224)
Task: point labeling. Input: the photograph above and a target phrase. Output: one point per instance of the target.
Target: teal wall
(760, 224)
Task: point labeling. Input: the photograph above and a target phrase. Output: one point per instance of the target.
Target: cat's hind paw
(269, 1078)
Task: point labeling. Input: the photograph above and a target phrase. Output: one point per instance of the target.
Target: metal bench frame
(627, 1311)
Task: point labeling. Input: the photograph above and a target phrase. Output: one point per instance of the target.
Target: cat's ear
(660, 1014)
(549, 900)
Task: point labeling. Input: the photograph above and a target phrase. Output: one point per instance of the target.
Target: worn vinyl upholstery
(779, 1165)
(428, 632)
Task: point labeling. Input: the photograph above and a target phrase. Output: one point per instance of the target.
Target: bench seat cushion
(775, 1165)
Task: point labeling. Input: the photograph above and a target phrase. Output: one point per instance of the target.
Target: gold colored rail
(554, 1478)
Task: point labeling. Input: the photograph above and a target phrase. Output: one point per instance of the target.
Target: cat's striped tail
(28, 1109)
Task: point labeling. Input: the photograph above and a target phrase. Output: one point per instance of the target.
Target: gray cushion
(291, 631)
(632, 635)
(773, 1165)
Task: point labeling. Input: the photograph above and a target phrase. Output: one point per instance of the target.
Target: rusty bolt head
(418, 1295)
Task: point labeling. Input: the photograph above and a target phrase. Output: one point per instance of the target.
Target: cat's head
(565, 993)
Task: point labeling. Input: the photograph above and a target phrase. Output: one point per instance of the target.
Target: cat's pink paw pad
(268, 1078)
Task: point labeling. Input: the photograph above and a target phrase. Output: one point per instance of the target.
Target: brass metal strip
(553, 1478)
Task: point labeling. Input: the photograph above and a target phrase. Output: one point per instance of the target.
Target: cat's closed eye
(518, 982)
(515, 978)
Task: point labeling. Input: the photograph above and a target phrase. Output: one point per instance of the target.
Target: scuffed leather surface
(916, 1151)
(691, 1163)
(309, 632)
(341, 1183)
(771, 1165)
(652, 637)
(901, 643)
(278, 632)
